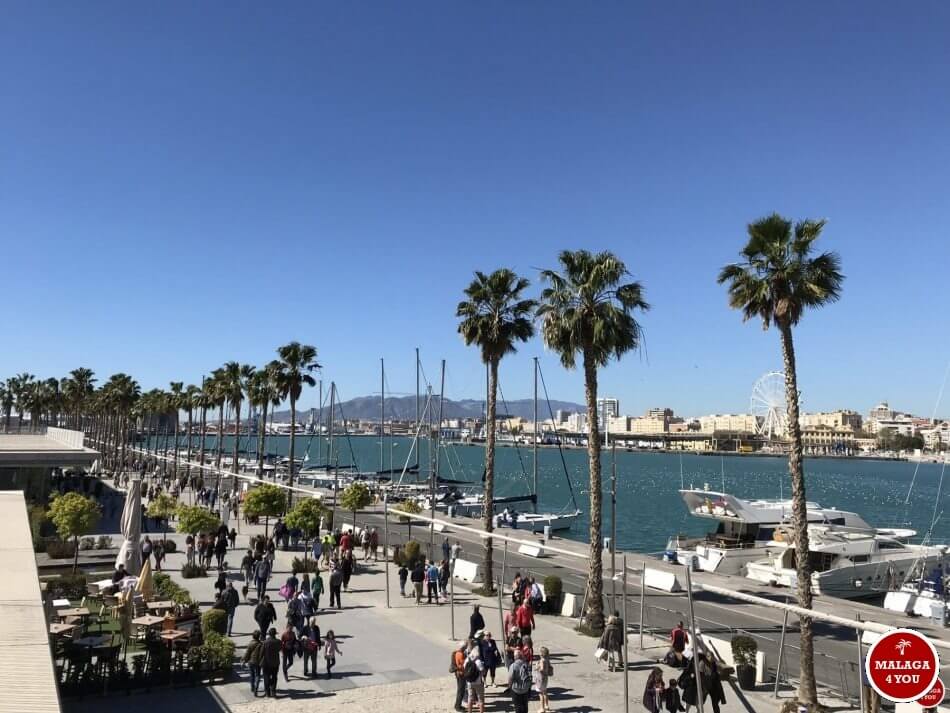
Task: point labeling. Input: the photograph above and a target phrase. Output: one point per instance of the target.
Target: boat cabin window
(857, 559)
(836, 521)
(821, 561)
(889, 545)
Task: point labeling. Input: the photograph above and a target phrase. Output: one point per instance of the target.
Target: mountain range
(366, 408)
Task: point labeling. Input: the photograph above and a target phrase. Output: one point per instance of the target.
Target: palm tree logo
(902, 645)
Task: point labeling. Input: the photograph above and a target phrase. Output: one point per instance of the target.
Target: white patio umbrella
(130, 554)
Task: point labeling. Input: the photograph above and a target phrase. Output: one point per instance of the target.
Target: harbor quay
(396, 655)
(395, 649)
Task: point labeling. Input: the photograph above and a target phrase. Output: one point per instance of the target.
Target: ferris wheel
(768, 405)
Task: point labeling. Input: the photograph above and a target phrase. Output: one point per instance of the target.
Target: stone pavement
(397, 658)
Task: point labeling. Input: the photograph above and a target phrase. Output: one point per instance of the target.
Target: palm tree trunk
(261, 429)
(488, 509)
(220, 445)
(595, 583)
(175, 475)
(807, 690)
(190, 420)
(293, 434)
(237, 436)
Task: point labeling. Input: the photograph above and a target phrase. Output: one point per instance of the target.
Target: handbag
(600, 653)
(284, 591)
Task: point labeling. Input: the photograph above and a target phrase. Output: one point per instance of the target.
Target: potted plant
(744, 650)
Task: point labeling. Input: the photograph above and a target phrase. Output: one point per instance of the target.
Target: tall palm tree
(779, 278)
(191, 403)
(206, 400)
(7, 399)
(234, 382)
(176, 402)
(22, 385)
(78, 387)
(495, 318)
(220, 398)
(587, 310)
(297, 363)
(262, 393)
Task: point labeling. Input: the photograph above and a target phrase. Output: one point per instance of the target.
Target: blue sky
(188, 183)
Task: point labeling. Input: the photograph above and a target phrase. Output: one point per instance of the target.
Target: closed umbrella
(130, 554)
(146, 584)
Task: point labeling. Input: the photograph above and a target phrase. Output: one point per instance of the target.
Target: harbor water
(649, 507)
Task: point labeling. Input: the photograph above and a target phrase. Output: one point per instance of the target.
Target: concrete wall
(73, 439)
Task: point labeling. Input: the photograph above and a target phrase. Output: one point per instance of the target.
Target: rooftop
(26, 663)
(53, 447)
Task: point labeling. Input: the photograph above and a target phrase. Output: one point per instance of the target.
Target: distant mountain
(366, 408)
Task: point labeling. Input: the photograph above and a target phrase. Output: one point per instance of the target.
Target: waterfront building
(608, 407)
(823, 439)
(834, 419)
(27, 460)
(575, 423)
(901, 425)
(937, 437)
(664, 413)
(646, 425)
(735, 423)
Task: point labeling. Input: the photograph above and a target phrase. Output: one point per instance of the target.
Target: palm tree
(206, 400)
(297, 362)
(219, 398)
(234, 384)
(22, 384)
(176, 402)
(778, 278)
(7, 399)
(495, 318)
(77, 388)
(587, 310)
(191, 399)
(263, 392)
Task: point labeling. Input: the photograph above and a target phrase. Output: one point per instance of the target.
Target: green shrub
(214, 621)
(300, 565)
(165, 588)
(217, 650)
(191, 571)
(552, 594)
(744, 649)
(409, 555)
(67, 586)
(57, 549)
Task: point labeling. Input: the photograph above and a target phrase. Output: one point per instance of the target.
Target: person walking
(432, 582)
(678, 641)
(336, 583)
(457, 667)
(262, 572)
(295, 613)
(519, 682)
(316, 590)
(190, 549)
(446, 549)
(655, 696)
(418, 577)
(444, 574)
(289, 590)
(713, 682)
(264, 614)
(252, 659)
(220, 550)
(374, 544)
(542, 670)
(347, 568)
(403, 576)
(524, 618)
(270, 662)
(474, 673)
(247, 566)
(231, 601)
(232, 538)
(491, 656)
(288, 647)
(612, 641)
(330, 651)
(476, 622)
(364, 543)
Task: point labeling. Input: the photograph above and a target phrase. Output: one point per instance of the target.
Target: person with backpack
(432, 582)
(457, 668)
(542, 671)
(474, 673)
(288, 647)
(336, 583)
(265, 614)
(520, 682)
(262, 571)
(252, 659)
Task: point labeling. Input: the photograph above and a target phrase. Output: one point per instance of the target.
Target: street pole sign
(902, 665)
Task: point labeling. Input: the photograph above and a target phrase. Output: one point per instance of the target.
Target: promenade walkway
(397, 658)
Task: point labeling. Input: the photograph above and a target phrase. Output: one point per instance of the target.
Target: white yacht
(745, 530)
(847, 563)
(537, 521)
(921, 595)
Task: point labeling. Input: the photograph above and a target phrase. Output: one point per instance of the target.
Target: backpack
(470, 672)
(453, 664)
(521, 679)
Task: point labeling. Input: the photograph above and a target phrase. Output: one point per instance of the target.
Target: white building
(733, 422)
(937, 436)
(608, 407)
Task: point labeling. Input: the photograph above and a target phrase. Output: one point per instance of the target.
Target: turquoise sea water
(649, 509)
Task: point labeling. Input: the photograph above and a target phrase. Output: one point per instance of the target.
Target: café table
(160, 606)
(57, 629)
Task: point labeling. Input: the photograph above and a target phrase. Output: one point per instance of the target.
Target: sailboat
(535, 521)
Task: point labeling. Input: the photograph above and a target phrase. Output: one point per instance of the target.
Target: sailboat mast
(417, 401)
(535, 450)
(330, 424)
(320, 424)
(382, 413)
(438, 444)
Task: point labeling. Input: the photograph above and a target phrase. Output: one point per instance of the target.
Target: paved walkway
(397, 658)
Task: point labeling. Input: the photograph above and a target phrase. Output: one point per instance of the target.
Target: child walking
(330, 650)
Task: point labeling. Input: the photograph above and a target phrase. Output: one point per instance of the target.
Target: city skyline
(335, 175)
